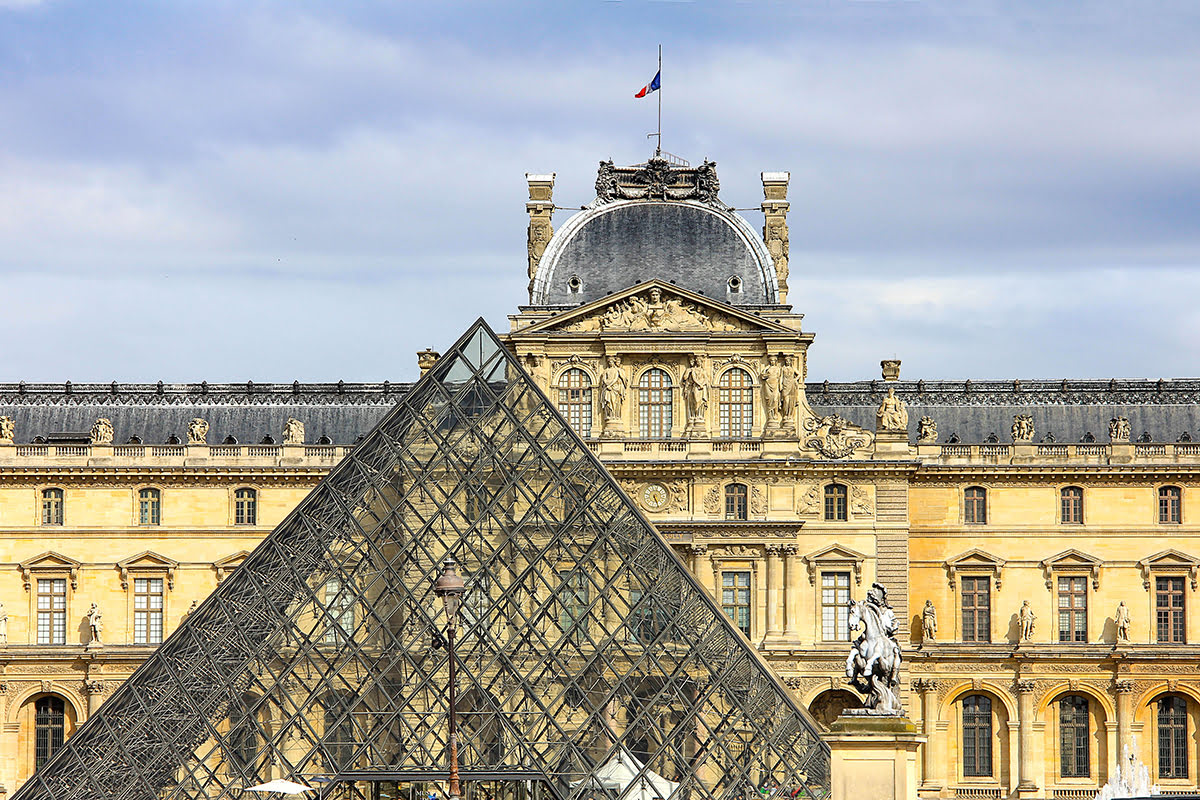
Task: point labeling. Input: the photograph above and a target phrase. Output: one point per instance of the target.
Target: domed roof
(655, 221)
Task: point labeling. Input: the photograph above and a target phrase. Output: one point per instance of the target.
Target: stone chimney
(426, 359)
(540, 207)
(775, 229)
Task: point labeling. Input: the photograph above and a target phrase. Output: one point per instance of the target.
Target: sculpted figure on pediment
(1118, 429)
(927, 430)
(892, 414)
(8, 430)
(293, 431)
(197, 431)
(652, 311)
(1022, 428)
(102, 431)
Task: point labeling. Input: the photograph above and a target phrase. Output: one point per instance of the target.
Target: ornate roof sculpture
(657, 179)
(314, 660)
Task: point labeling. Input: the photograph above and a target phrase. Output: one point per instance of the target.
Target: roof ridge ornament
(658, 179)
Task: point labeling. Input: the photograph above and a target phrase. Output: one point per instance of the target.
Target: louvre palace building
(1039, 540)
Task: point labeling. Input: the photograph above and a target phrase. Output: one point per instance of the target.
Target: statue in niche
(3, 625)
(613, 386)
(1026, 617)
(892, 414)
(197, 431)
(8, 430)
(1122, 620)
(1022, 428)
(293, 431)
(95, 620)
(928, 622)
(873, 665)
(772, 388)
(102, 431)
(789, 392)
(696, 384)
(927, 430)
(1118, 429)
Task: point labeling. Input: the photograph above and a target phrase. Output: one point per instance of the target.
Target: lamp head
(450, 587)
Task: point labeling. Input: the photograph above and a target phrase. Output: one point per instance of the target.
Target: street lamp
(450, 588)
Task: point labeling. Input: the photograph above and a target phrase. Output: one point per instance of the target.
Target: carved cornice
(1168, 561)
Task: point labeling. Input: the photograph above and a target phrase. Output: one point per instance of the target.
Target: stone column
(702, 566)
(94, 691)
(774, 584)
(792, 592)
(928, 689)
(775, 230)
(1125, 690)
(1026, 768)
(540, 208)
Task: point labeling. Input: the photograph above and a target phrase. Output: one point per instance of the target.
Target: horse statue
(873, 665)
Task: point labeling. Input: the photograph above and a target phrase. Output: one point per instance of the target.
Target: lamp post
(450, 588)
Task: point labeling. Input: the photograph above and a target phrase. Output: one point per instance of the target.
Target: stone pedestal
(873, 757)
(891, 444)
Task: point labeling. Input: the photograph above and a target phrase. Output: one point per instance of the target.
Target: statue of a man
(613, 386)
(892, 414)
(95, 624)
(1122, 621)
(1026, 618)
(928, 622)
(873, 665)
(695, 389)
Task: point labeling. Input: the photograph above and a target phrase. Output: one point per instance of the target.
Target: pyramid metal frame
(583, 638)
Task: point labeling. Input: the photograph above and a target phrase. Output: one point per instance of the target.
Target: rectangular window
(975, 506)
(1073, 730)
(1169, 610)
(573, 614)
(340, 605)
(52, 611)
(149, 507)
(147, 610)
(1170, 505)
(735, 599)
(648, 621)
(1072, 505)
(736, 504)
(1072, 609)
(835, 610)
(976, 609)
(1172, 738)
(245, 507)
(52, 507)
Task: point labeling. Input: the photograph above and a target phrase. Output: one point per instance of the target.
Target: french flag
(652, 86)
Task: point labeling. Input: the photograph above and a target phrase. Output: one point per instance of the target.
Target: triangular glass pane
(589, 661)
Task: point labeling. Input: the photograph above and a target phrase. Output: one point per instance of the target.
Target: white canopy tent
(621, 774)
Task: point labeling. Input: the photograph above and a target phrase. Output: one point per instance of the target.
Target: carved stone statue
(1022, 428)
(3, 625)
(927, 430)
(928, 622)
(1026, 618)
(8, 430)
(539, 236)
(789, 392)
(95, 625)
(293, 431)
(102, 431)
(892, 414)
(191, 608)
(613, 386)
(873, 665)
(696, 384)
(1122, 620)
(776, 235)
(772, 389)
(606, 182)
(197, 431)
(1118, 429)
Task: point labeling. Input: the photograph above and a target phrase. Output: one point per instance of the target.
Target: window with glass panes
(835, 610)
(575, 400)
(975, 505)
(654, 404)
(1169, 609)
(1074, 759)
(735, 599)
(340, 606)
(245, 507)
(149, 507)
(147, 610)
(735, 404)
(50, 728)
(977, 736)
(1072, 608)
(976, 609)
(573, 613)
(835, 502)
(1170, 505)
(51, 610)
(52, 507)
(1172, 737)
(736, 501)
(1072, 505)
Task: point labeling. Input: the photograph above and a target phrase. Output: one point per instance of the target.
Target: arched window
(575, 400)
(149, 506)
(735, 403)
(975, 505)
(1170, 505)
(52, 506)
(1073, 755)
(654, 404)
(50, 724)
(1172, 737)
(736, 501)
(835, 502)
(977, 736)
(245, 507)
(1072, 505)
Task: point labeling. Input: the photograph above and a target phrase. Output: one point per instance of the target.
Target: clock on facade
(655, 496)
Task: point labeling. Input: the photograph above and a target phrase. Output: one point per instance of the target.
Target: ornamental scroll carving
(657, 179)
(833, 436)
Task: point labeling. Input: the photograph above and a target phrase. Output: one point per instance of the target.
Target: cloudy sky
(298, 190)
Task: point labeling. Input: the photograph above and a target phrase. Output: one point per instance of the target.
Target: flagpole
(658, 147)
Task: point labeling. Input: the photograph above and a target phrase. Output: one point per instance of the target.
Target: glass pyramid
(590, 663)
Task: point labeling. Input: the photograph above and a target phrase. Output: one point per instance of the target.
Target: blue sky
(314, 191)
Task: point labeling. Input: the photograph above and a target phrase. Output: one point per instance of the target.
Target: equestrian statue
(873, 665)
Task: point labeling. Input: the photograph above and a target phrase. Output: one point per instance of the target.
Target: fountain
(1132, 779)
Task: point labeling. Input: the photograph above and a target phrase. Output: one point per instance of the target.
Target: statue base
(891, 444)
(873, 755)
